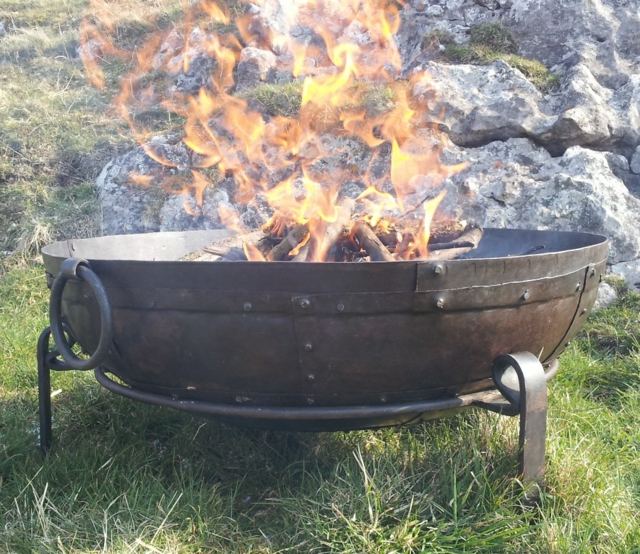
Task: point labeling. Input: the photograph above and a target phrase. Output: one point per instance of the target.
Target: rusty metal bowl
(331, 345)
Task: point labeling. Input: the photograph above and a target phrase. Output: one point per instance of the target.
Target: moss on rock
(490, 42)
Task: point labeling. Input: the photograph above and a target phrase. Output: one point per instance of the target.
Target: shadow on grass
(127, 469)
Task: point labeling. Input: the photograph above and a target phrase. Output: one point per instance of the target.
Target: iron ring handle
(79, 270)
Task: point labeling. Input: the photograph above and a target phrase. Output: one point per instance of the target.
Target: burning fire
(347, 53)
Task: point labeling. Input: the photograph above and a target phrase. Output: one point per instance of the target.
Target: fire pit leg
(48, 361)
(44, 390)
(63, 358)
(521, 380)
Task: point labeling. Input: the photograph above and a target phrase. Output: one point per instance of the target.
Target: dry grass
(56, 131)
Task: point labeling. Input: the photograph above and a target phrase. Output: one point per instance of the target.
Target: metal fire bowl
(326, 345)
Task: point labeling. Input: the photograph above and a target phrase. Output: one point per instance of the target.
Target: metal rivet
(304, 303)
(578, 287)
(593, 272)
(340, 307)
(311, 377)
(310, 401)
(308, 347)
(567, 344)
(440, 303)
(247, 306)
(383, 398)
(584, 311)
(525, 295)
(438, 269)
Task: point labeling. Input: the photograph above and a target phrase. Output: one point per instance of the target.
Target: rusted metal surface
(305, 335)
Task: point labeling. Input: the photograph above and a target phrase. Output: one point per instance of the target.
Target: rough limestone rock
(591, 45)
(600, 33)
(635, 161)
(139, 195)
(255, 66)
(603, 34)
(629, 271)
(481, 104)
(518, 184)
(607, 295)
(132, 200)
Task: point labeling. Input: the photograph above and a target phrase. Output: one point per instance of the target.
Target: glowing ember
(280, 160)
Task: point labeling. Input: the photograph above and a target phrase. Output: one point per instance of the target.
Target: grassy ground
(124, 477)
(56, 131)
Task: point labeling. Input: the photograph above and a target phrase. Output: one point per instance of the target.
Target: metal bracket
(521, 380)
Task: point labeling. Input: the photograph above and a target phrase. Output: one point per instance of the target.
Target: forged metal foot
(44, 390)
(521, 380)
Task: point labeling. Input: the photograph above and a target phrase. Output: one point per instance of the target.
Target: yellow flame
(349, 87)
(430, 208)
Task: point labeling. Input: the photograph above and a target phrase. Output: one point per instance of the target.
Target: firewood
(228, 249)
(449, 254)
(292, 239)
(465, 243)
(469, 239)
(302, 255)
(447, 231)
(370, 242)
(319, 245)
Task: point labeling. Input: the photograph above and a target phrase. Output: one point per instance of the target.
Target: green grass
(286, 98)
(126, 477)
(56, 131)
(276, 99)
(490, 42)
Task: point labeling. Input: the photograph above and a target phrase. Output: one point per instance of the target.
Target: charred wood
(370, 242)
(292, 239)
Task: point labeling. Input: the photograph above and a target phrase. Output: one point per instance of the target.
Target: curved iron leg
(521, 380)
(44, 390)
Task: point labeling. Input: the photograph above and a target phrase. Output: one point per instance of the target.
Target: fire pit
(322, 346)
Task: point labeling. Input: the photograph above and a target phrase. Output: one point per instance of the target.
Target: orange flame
(350, 86)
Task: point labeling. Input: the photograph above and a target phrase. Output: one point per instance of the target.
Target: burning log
(338, 240)
(292, 239)
(320, 244)
(469, 239)
(464, 244)
(302, 255)
(370, 242)
(448, 231)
